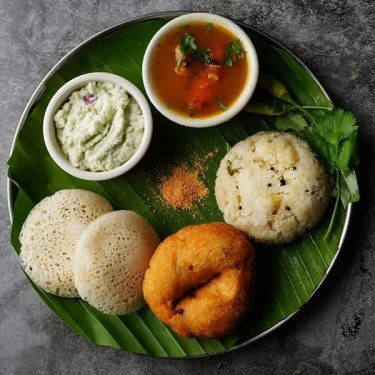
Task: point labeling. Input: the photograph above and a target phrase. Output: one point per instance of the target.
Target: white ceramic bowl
(243, 98)
(49, 131)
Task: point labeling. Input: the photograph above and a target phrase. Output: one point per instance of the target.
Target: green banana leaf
(286, 275)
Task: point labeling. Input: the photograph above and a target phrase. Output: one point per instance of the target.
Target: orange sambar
(198, 89)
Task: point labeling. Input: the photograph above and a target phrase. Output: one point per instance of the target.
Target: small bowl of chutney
(200, 70)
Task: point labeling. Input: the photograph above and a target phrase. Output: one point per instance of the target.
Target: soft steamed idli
(272, 187)
(111, 258)
(50, 234)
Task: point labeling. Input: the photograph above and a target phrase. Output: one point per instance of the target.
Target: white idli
(50, 234)
(272, 187)
(111, 258)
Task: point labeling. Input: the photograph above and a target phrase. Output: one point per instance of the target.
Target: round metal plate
(12, 189)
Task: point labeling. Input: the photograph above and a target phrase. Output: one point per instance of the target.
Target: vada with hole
(200, 280)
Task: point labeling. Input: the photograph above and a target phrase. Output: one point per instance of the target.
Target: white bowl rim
(60, 97)
(239, 103)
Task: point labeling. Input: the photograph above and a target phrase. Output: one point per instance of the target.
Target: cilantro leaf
(191, 110)
(335, 126)
(187, 44)
(349, 188)
(339, 132)
(227, 59)
(204, 55)
(324, 150)
(347, 154)
(292, 121)
(233, 51)
(235, 47)
(208, 27)
(222, 106)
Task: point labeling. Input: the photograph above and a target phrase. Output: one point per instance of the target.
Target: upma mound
(272, 187)
(110, 261)
(50, 234)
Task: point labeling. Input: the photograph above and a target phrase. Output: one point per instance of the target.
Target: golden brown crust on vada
(200, 280)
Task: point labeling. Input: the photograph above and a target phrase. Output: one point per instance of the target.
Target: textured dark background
(334, 333)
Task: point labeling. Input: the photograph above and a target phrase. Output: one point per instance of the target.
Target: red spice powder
(182, 187)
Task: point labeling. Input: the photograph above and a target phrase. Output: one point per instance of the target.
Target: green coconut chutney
(99, 127)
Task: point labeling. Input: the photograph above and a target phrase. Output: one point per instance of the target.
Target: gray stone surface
(335, 333)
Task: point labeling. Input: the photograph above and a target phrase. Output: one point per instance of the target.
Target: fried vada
(200, 280)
